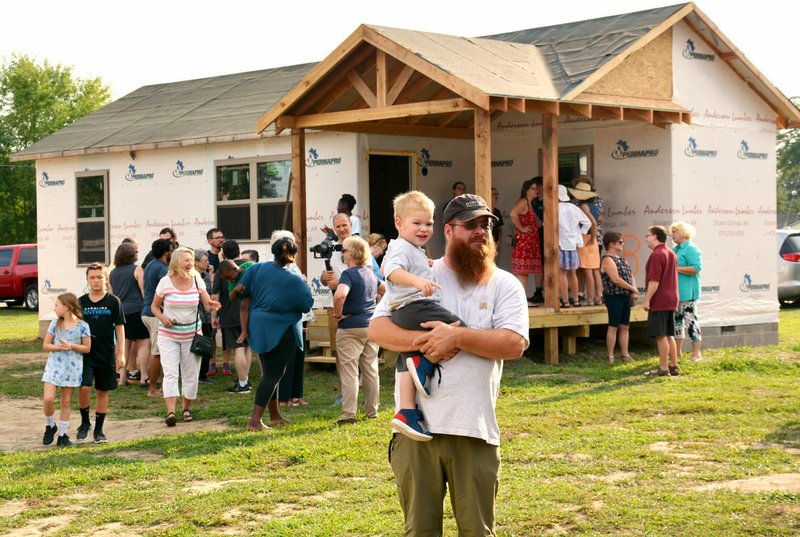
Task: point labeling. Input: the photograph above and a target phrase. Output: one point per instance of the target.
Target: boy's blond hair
(412, 201)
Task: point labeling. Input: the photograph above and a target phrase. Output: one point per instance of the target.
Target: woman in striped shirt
(175, 305)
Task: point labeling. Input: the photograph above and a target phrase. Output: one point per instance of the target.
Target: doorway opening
(389, 175)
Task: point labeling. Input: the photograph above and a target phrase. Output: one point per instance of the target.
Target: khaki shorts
(152, 326)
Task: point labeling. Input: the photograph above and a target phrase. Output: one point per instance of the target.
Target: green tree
(788, 164)
(35, 100)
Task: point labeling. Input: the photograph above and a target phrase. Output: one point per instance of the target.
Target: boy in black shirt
(103, 312)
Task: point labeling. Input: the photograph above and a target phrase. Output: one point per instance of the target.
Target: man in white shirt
(464, 452)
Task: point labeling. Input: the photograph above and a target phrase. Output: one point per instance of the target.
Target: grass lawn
(588, 449)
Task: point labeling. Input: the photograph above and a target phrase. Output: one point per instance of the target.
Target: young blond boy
(413, 299)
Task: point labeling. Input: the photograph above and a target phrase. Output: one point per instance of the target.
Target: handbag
(201, 345)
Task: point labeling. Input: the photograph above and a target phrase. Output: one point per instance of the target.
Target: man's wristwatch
(337, 316)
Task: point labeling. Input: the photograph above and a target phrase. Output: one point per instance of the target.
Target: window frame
(588, 149)
(105, 219)
(253, 202)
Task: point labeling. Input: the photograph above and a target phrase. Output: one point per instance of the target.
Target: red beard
(472, 266)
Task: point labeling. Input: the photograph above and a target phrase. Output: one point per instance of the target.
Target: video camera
(325, 249)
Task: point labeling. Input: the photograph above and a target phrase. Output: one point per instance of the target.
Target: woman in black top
(619, 290)
(126, 282)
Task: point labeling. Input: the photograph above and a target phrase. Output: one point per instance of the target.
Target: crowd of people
(457, 318)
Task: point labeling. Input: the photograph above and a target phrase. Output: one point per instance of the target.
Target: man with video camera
(330, 278)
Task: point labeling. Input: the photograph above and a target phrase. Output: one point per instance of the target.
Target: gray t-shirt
(463, 404)
(401, 254)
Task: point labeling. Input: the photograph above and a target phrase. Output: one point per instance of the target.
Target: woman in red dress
(526, 256)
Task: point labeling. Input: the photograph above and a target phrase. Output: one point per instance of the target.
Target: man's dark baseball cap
(466, 207)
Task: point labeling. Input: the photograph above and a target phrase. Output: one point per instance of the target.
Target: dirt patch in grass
(23, 424)
(25, 358)
(202, 487)
(115, 529)
(614, 477)
(43, 526)
(765, 483)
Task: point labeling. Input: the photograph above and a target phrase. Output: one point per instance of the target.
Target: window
(92, 224)
(572, 163)
(252, 210)
(5, 257)
(27, 256)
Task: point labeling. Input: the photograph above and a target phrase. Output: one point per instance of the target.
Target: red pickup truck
(19, 275)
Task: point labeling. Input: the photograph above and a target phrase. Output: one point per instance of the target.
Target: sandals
(626, 358)
(565, 305)
(658, 373)
(171, 420)
(187, 415)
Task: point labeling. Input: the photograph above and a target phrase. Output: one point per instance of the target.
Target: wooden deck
(569, 324)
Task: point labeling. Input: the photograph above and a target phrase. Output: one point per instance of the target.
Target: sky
(129, 45)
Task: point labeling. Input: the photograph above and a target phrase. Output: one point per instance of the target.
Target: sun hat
(562, 193)
(583, 191)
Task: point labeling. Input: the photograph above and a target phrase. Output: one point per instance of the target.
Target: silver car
(788, 264)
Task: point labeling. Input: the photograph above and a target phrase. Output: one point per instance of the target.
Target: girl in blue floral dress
(68, 338)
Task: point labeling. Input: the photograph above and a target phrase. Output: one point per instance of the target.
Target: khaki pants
(469, 467)
(355, 351)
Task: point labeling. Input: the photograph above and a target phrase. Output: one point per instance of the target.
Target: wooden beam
(435, 73)
(606, 112)
(483, 154)
(666, 117)
(499, 103)
(578, 109)
(311, 79)
(550, 186)
(335, 84)
(398, 85)
(299, 197)
(440, 94)
(413, 89)
(387, 112)
(637, 114)
(362, 89)
(380, 77)
(394, 129)
(542, 107)
(516, 104)
(447, 119)
(551, 346)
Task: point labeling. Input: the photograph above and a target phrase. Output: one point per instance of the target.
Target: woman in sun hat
(589, 254)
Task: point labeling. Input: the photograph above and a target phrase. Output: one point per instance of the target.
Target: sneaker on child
(421, 371)
(83, 431)
(409, 422)
(49, 434)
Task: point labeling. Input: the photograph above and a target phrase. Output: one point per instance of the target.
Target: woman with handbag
(175, 305)
(526, 257)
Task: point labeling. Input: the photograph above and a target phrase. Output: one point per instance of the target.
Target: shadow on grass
(788, 435)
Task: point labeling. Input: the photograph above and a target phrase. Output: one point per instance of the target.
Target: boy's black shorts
(104, 376)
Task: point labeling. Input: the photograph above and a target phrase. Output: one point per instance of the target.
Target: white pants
(175, 355)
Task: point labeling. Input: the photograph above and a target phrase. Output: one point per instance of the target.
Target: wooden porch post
(299, 196)
(551, 249)
(483, 154)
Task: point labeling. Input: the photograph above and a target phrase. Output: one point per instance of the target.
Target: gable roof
(550, 65)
